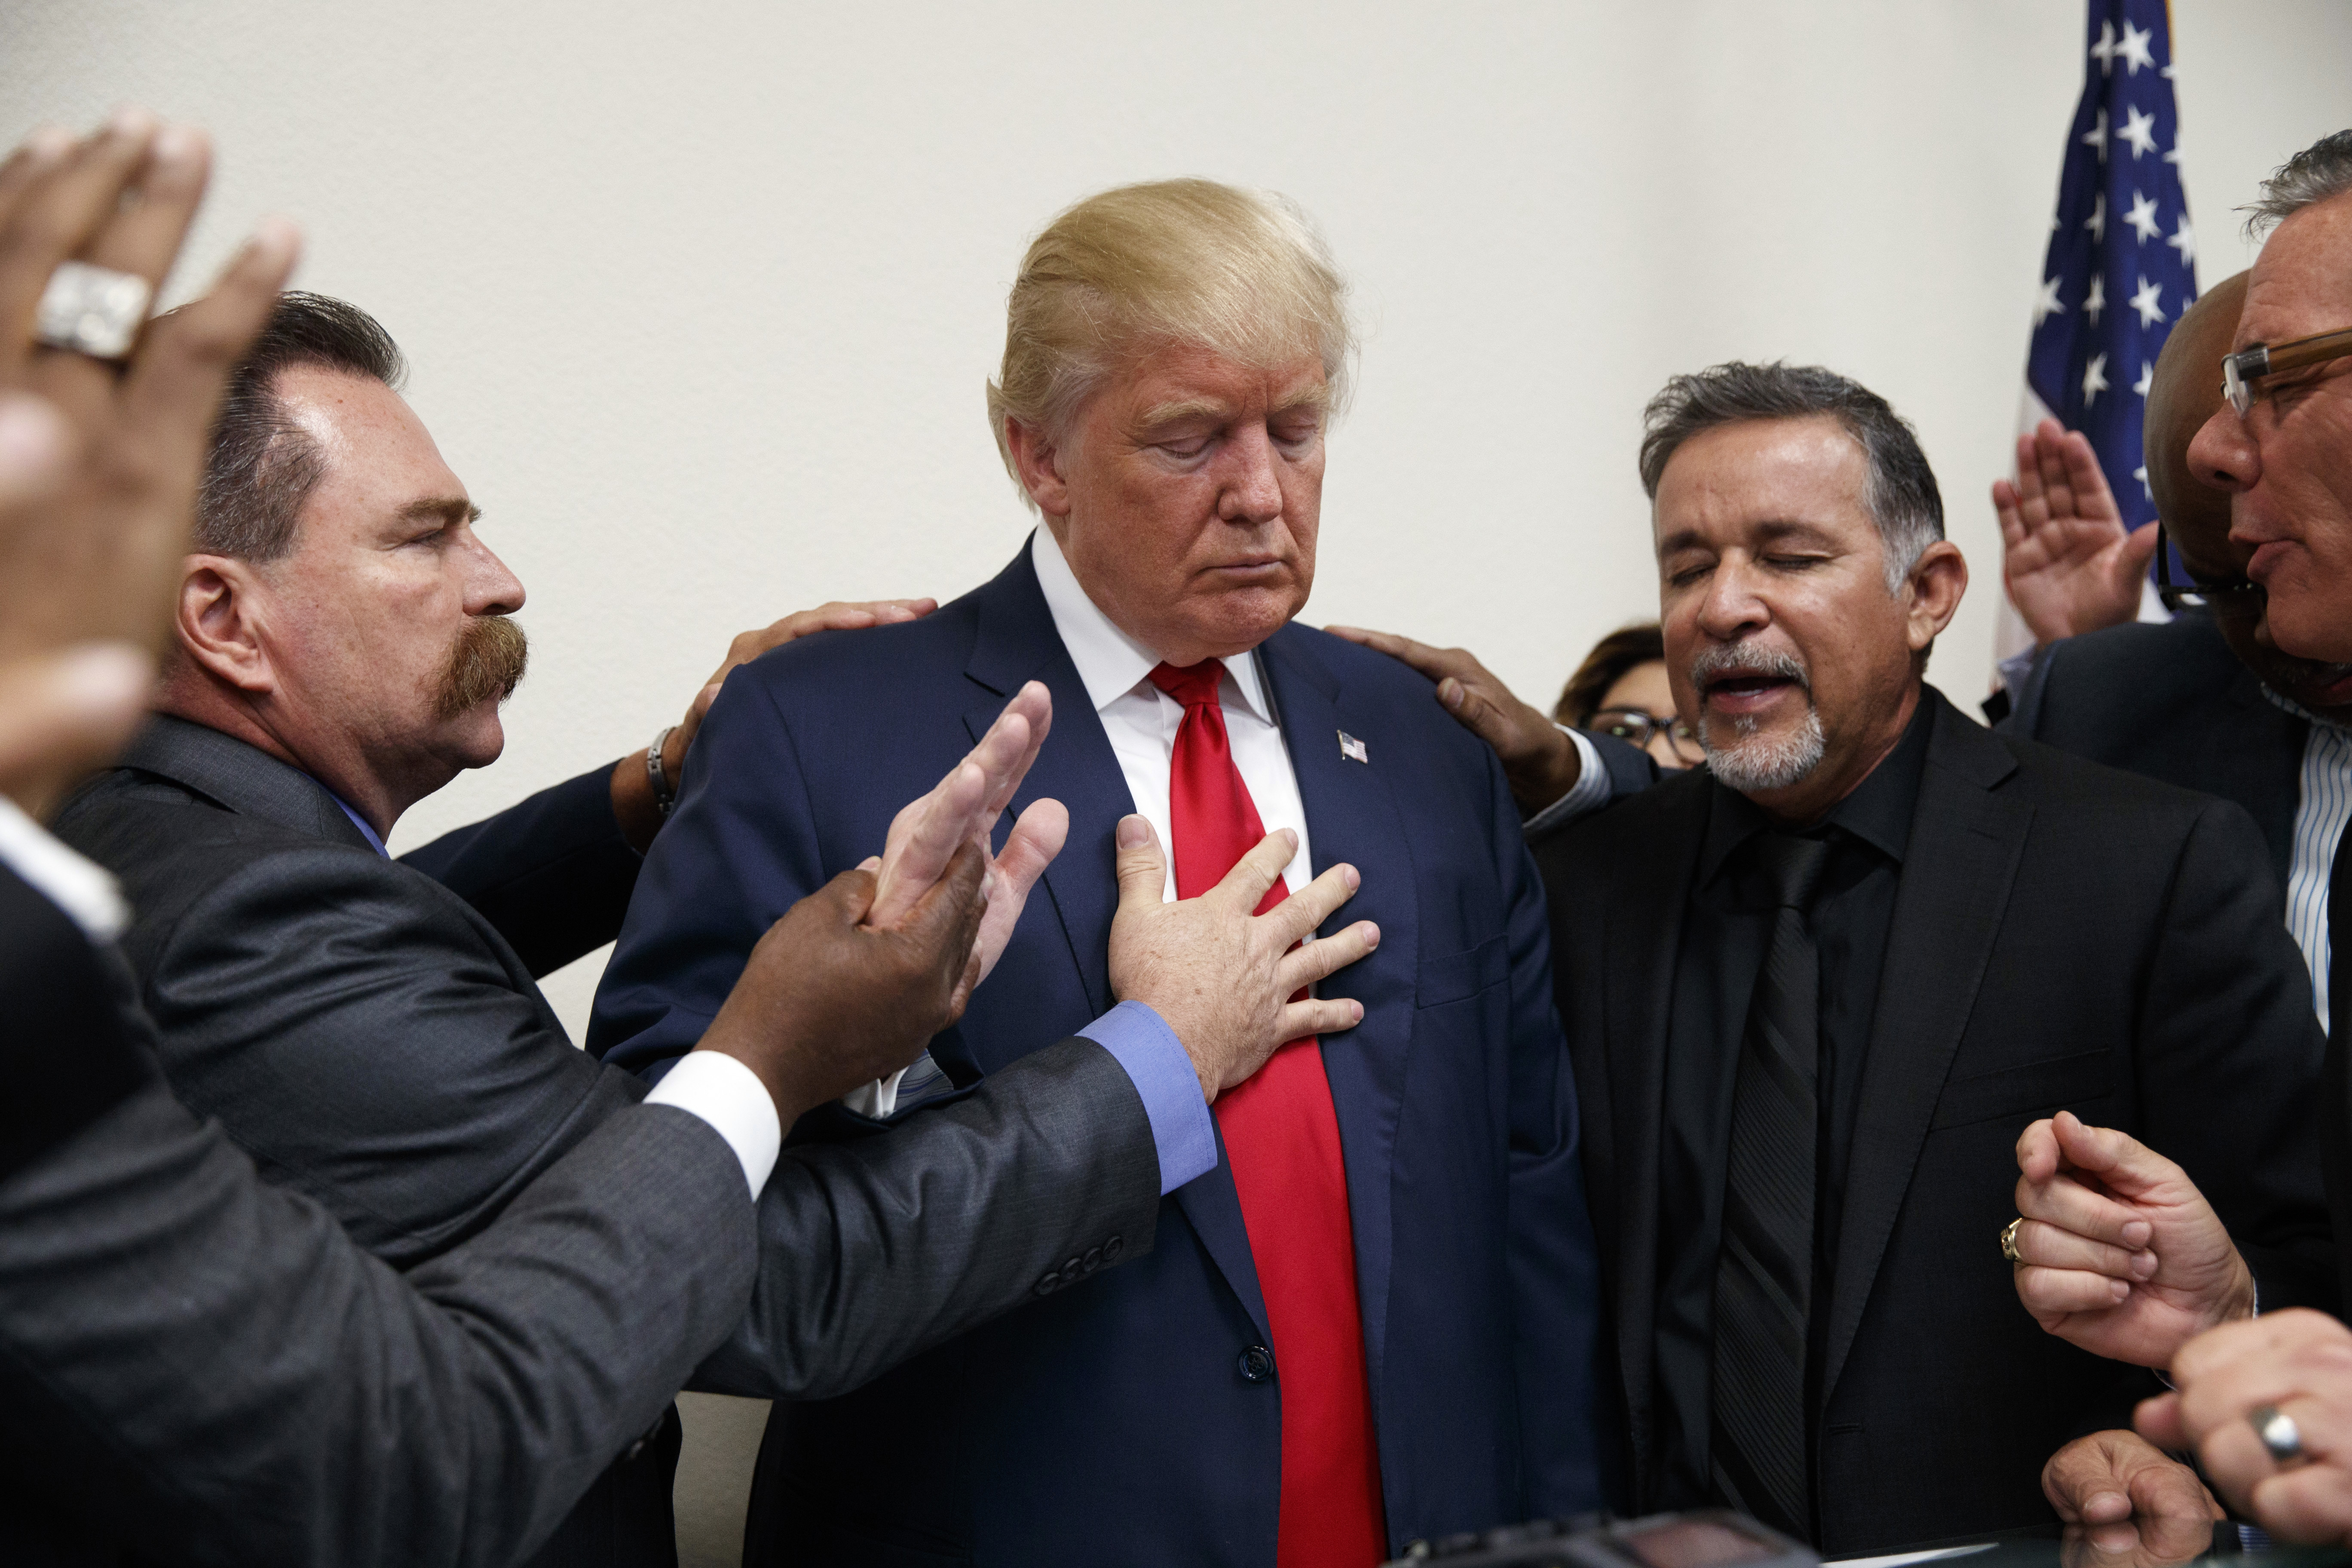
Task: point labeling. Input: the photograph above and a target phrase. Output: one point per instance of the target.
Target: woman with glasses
(1621, 689)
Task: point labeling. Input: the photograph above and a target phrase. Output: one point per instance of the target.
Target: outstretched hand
(2068, 562)
(2122, 1255)
(830, 1000)
(963, 808)
(1231, 984)
(1540, 763)
(100, 558)
(100, 462)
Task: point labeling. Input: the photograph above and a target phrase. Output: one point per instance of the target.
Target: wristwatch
(665, 792)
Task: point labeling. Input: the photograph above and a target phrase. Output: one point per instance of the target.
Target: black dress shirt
(1727, 926)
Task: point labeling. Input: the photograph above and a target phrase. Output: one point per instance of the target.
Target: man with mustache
(1814, 994)
(370, 1032)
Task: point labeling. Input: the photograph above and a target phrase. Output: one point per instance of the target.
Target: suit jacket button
(1258, 1364)
(1073, 1270)
(1093, 1258)
(1049, 1284)
(1112, 1249)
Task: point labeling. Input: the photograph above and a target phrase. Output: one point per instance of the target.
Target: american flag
(2122, 265)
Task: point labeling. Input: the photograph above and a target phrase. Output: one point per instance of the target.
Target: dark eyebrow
(1773, 533)
(447, 510)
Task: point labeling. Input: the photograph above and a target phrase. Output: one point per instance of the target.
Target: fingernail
(2143, 1265)
(1373, 940)
(1352, 878)
(131, 121)
(33, 441)
(1449, 692)
(1132, 831)
(178, 147)
(50, 145)
(1291, 839)
(2120, 1289)
(104, 674)
(2137, 1233)
(1356, 1011)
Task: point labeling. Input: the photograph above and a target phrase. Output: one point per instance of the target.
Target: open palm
(2069, 563)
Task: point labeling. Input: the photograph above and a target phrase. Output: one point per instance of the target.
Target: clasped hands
(860, 974)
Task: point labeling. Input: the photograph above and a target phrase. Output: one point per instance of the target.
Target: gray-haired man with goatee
(1816, 990)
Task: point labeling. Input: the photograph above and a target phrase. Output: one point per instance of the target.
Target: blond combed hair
(1240, 273)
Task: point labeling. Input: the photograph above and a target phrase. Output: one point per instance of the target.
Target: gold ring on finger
(2009, 1239)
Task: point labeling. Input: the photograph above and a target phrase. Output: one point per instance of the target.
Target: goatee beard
(486, 666)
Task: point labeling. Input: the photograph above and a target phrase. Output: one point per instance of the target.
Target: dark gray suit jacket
(196, 1367)
(375, 1041)
(2171, 702)
(2064, 936)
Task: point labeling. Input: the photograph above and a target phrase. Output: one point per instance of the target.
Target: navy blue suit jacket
(1112, 1421)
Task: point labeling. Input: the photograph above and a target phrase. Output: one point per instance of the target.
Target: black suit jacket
(2065, 935)
(376, 1042)
(2171, 702)
(197, 1367)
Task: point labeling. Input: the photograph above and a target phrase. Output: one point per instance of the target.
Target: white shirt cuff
(1590, 792)
(730, 1097)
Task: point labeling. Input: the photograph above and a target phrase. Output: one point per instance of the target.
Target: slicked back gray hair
(262, 465)
(1900, 491)
(2320, 171)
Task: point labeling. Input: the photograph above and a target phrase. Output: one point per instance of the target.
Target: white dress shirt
(1142, 720)
(719, 1090)
(2323, 807)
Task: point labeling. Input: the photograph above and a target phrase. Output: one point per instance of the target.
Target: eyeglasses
(2239, 371)
(1636, 728)
(2238, 595)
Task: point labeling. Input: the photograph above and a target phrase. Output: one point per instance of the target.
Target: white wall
(701, 298)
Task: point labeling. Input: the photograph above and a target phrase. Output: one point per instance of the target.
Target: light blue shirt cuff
(1590, 791)
(1143, 1044)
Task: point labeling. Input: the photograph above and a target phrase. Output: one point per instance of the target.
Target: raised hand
(1540, 763)
(2298, 1362)
(1231, 983)
(2068, 563)
(831, 1000)
(2121, 1254)
(963, 810)
(100, 559)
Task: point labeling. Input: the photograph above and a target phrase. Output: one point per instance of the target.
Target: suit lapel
(1017, 642)
(1966, 841)
(1353, 818)
(1642, 941)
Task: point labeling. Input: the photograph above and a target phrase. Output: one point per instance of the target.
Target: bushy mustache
(1738, 658)
(486, 666)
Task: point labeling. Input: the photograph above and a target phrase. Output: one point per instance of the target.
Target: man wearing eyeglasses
(2207, 701)
(2265, 1403)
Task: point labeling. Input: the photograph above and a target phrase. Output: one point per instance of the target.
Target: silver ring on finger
(92, 311)
(2281, 1437)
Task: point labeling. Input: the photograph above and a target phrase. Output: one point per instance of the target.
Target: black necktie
(1764, 1265)
(2335, 1104)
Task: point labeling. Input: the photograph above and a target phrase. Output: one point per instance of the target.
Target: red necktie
(1282, 1138)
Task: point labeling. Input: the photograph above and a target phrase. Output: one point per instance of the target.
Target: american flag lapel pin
(1353, 749)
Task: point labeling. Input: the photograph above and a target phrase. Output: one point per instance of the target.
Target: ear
(1936, 582)
(1039, 462)
(218, 623)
